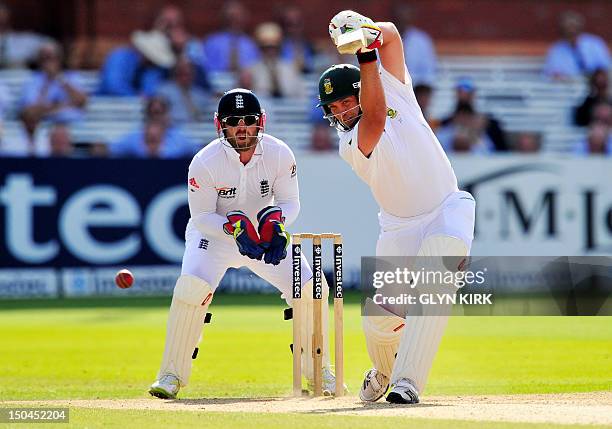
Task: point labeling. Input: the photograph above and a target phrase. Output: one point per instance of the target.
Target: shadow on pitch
(223, 401)
(269, 401)
(365, 407)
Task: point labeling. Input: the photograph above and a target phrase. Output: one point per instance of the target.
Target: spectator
(327, 54)
(597, 142)
(18, 143)
(577, 53)
(296, 48)
(231, 49)
(187, 101)
(139, 68)
(157, 137)
(52, 93)
(463, 141)
(322, 137)
(4, 106)
(170, 21)
(272, 76)
(419, 49)
(98, 150)
(602, 112)
(322, 140)
(423, 93)
(466, 95)
(158, 109)
(598, 93)
(60, 144)
(527, 143)
(465, 132)
(53, 140)
(153, 140)
(5, 102)
(17, 49)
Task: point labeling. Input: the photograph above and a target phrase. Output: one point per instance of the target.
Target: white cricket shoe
(329, 383)
(374, 386)
(403, 392)
(167, 387)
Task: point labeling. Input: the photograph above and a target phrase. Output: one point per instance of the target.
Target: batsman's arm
(372, 96)
(373, 106)
(202, 198)
(392, 51)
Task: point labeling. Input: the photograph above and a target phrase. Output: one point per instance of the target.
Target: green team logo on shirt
(392, 113)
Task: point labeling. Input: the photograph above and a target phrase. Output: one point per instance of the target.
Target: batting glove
(274, 237)
(348, 21)
(243, 231)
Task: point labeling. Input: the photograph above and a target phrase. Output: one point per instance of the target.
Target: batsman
(242, 190)
(388, 143)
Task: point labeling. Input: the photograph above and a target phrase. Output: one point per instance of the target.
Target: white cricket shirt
(408, 171)
(218, 183)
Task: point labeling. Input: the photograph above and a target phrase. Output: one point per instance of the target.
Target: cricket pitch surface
(563, 408)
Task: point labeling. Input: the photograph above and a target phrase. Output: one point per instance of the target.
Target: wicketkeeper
(242, 192)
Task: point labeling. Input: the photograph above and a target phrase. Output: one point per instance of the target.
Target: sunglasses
(233, 121)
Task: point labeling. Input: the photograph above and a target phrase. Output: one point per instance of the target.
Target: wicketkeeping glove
(274, 238)
(350, 21)
(243, 231)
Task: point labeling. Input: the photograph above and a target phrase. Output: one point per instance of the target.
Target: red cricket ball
(124, 279)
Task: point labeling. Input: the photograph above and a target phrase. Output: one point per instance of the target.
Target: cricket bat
(351, 42)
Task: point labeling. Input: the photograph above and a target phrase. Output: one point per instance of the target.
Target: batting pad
(307, 329)
(382, 334)
(190, 300)
(419, 343)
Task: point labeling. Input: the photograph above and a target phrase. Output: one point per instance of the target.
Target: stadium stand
(510, 87)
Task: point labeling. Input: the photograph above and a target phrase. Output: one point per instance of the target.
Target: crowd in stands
(170, 69)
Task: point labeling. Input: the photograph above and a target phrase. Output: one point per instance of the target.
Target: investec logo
(519, 202)
(297, 271)
(100, 208)
(338, 270)
(317, 272)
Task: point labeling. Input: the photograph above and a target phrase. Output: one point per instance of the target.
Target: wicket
(317, 295)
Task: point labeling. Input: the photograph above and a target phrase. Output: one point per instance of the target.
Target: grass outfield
(93, 418)
(111, 348)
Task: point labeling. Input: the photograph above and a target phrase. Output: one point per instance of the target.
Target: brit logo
(239, 102)
(293, 171)
(203, 244)
(264, 187)
(226, 192)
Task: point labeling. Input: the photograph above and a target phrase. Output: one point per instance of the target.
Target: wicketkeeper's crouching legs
(190, 300)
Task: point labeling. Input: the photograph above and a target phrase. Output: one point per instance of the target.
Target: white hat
(269, 33)
(155, 46)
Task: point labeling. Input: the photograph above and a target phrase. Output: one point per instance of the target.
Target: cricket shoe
(167, 387)
(374, 386)
(329, 383)
(403, 392)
